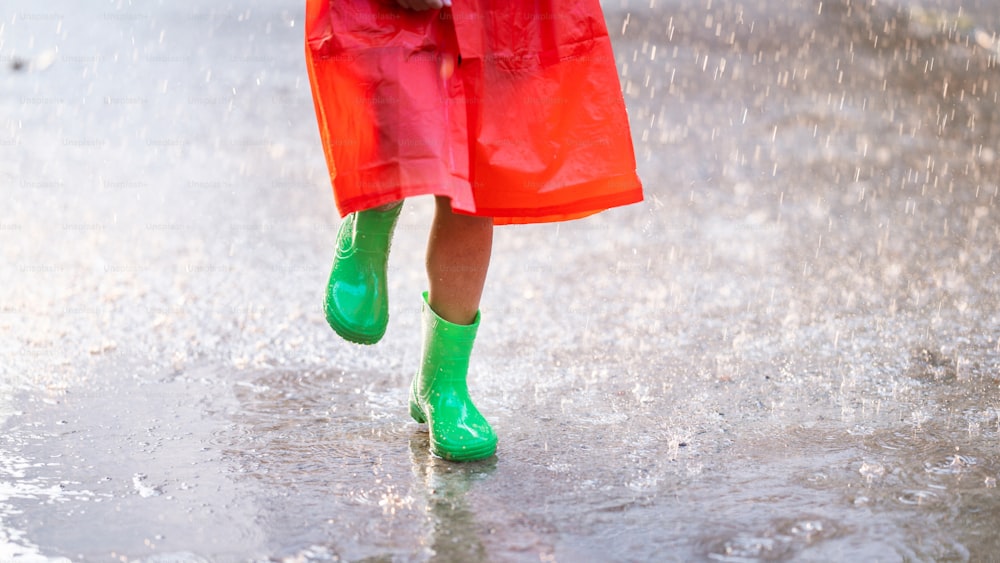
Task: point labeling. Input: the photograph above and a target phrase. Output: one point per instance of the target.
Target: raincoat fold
(512, 109)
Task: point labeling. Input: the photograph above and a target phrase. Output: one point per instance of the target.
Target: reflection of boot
(439, 395)
(454, 533)
(357, 304)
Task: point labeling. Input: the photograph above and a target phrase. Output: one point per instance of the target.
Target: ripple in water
(321, 428)
(783, 539)
(917, 497)
(951, 465)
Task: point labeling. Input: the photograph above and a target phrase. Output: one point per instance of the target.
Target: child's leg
(458, 255)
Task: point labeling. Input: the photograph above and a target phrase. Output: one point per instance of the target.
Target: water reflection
(453, 532)
(335, 449)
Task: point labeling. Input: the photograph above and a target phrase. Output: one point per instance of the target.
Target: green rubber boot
(357, 303)
(439, 395)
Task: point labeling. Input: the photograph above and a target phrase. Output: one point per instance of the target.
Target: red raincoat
(512, 108)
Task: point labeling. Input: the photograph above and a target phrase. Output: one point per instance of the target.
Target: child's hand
(424, 4)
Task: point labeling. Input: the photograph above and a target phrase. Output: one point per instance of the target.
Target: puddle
(788, 352)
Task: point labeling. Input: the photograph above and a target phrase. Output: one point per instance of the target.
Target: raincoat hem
(559, 211)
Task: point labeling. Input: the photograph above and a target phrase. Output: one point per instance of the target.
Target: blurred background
(790, 350)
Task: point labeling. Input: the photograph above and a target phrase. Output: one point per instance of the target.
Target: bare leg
(458, 256)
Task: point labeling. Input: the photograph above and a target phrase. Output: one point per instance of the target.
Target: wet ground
(790, 351)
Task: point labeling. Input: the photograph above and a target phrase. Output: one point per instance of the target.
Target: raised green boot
(439, 395)
(357, 303)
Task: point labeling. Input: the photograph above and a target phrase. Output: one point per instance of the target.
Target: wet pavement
(790, 351)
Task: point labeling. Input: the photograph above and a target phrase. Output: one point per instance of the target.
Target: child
(507, 111)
